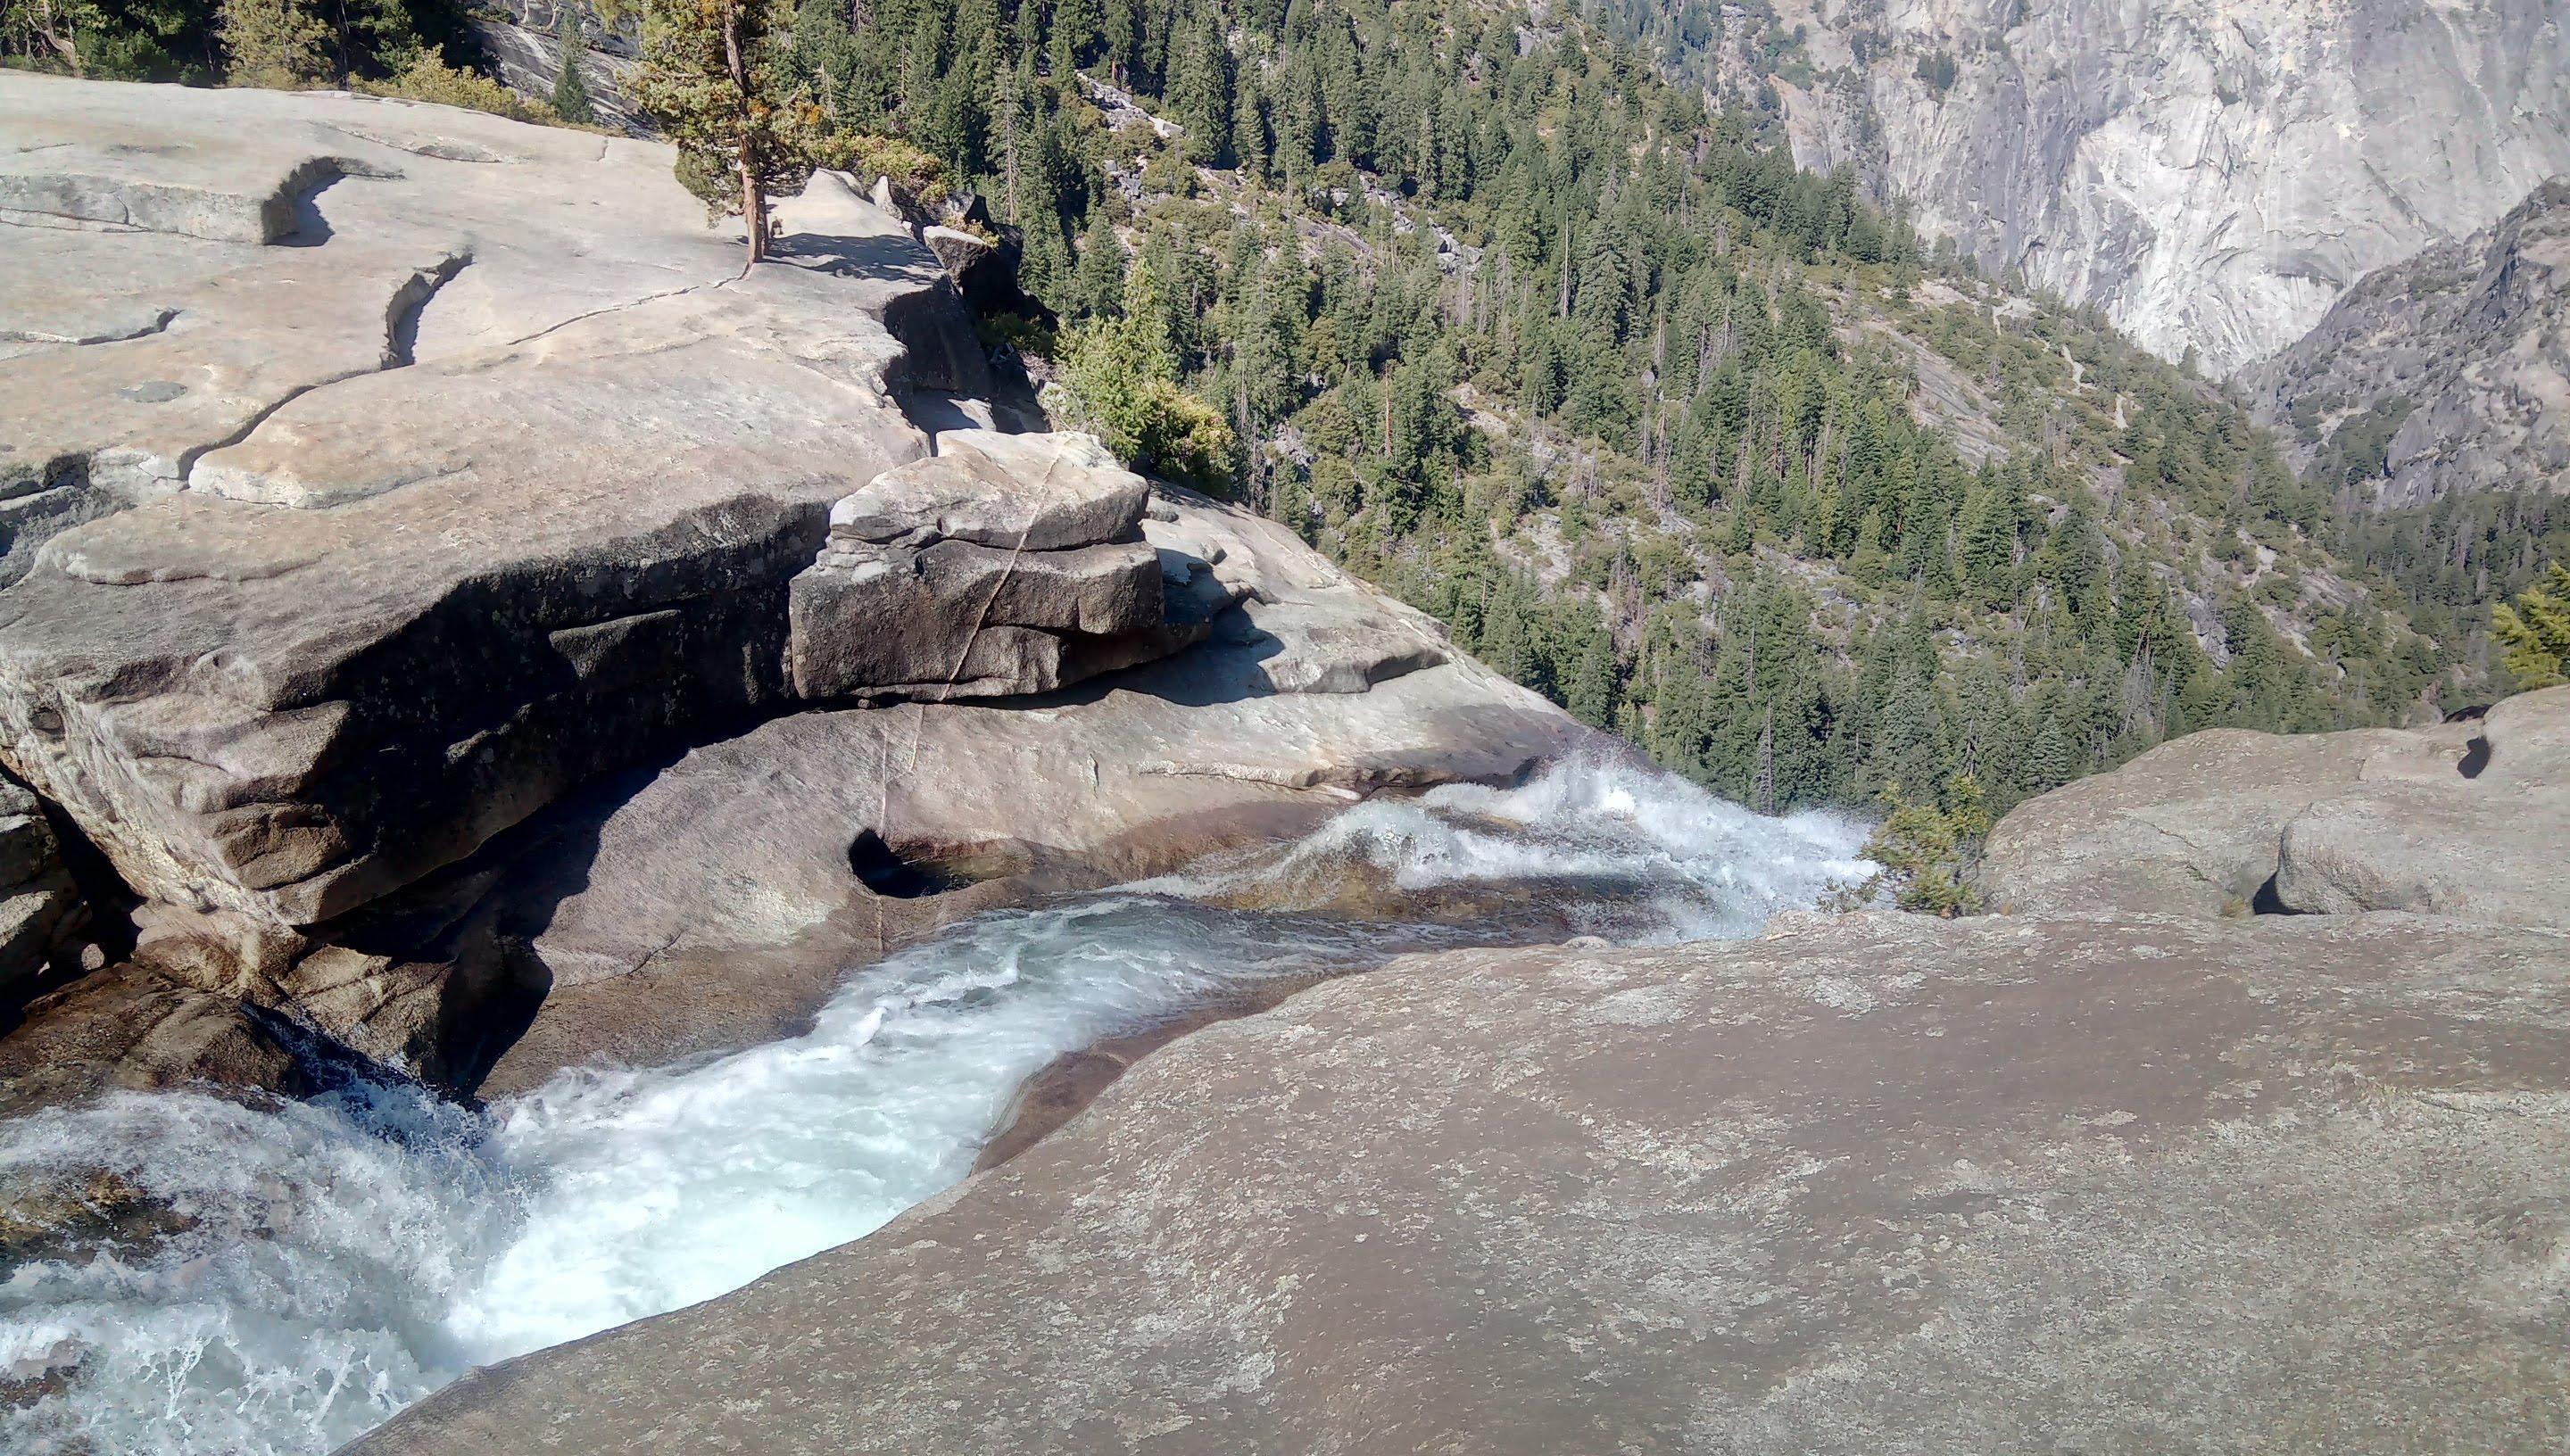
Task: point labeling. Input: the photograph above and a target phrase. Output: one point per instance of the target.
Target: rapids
(317, 1266)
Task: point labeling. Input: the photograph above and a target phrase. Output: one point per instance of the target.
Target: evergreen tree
(1101, 284)
(571, 89)
(2536, 632)
(280, 44)
(718, 78)
(1199, 88)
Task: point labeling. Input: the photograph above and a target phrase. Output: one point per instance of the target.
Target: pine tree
(1199, 89)
(1249, 143)
(571, 89)
(718, 78)
(1099, 285)
(2536, 632)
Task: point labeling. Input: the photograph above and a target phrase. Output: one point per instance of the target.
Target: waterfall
(311, 1267)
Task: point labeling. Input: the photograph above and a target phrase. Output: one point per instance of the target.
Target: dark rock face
(41, 911)
(138, 1030)
(2457, 360)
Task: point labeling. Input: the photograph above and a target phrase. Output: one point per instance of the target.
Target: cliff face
(2212, 174)
(2449, 371)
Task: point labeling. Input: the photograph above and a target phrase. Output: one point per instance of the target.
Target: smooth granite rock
(2491, 846)
(2464, 819)
(718, 901)
(2193, 826)
(1873, 1183)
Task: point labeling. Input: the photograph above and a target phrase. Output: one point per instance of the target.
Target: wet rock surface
(41, 915)
(2130, 1169)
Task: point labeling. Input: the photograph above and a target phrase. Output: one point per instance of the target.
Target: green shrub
(431, 80)
(1929, 850)
(918, 179)
(2536, 632)
(1119, 381)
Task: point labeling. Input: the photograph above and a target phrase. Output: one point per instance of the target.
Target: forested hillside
(1714, 451)
(1711, 451)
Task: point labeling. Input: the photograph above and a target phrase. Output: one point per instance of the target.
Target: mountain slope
(2445, 372)
(1703, 447)
(2209, 174)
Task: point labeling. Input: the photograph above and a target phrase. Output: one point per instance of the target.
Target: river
(317, 1266)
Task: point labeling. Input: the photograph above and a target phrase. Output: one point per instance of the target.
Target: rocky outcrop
(2449, 371)
(2142, 1174)
(2210, 174)
(396, 489)
(1006, 565)
(717, 903)
(2486, 847)
(2466, 819)
(508, 491)
(2192, 827)
(1869, 1183)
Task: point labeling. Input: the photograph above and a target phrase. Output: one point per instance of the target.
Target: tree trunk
(753, 200)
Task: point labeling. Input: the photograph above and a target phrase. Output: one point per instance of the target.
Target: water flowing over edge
(312, 1267)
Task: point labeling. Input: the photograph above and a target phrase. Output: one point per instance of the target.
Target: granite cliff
(2211, 176)
(2447, 371)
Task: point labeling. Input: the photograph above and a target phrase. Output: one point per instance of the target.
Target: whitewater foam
(335, 1260)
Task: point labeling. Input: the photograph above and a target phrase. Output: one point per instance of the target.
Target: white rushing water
(321, 1265)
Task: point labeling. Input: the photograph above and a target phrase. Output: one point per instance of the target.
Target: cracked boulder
(1003, 564)
(718, 903)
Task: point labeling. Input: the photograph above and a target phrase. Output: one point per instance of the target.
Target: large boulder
(2194, 825)
(718, 903)
(1003, 564)
(2462, 818)
(1873, 1183)
(2489, 847)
